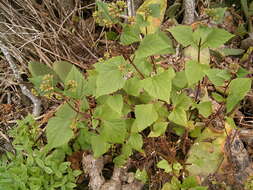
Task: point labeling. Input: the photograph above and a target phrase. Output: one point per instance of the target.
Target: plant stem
(198, 89)
(140, 73)
(153, 63)
(199, 46)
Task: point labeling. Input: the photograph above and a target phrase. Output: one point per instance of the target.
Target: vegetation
(127, 102)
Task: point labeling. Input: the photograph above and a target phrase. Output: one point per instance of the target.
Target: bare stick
(36, 102)
(130, 8)
(189, 10)
(120, 179)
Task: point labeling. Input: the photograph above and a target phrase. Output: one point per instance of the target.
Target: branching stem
(140, 73)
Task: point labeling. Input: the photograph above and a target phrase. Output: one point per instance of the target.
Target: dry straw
(48, 30)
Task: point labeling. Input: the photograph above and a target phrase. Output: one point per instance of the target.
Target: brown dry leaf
(76, 159)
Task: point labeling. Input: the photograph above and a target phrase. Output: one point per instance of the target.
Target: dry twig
(36, 102)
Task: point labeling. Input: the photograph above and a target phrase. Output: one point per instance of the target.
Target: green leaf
(58, 131)
(112, 36)
(126, 152)
(178, 116)
(177, 167)
(158, 129)
(48, 170)
(99, 145)
(66, 112)
(174, 184)
(231, 51)
(193, 72)
(241, 73)
(180, 80)
(217, 76)
(189, 182)
(145, 115)
(181, 101)
(39, 162)
(91, 83)
(114, 131)
(135, 141)
(216, 38)
(155, 10)
(76, 77)
(110, 78)
(105, 112)
(62, 69)
(143, 65)
(238, 88)
(182, 34)
(159, 86)
(103, 8)
(132, 86)
(201, 34)
(205, 108)
(163, 164)
(130, 34)
(141, 22)
(231, 122)
(154, 44)
(141, 175)
(219, 98)
(115, 102)
(161, 110)
(216, 14)
(39, 69)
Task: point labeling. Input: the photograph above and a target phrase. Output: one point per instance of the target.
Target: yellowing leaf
(191, 53)
(206, 154)
(154, 18)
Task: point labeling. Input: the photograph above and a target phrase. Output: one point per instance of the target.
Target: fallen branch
(36, 102)
(120, 180)
(189, 10)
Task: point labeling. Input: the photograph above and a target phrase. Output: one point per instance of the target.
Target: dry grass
(48, 30)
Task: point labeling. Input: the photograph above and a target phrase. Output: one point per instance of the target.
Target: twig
(36, 102)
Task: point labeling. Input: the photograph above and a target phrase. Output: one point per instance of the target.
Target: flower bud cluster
(46, 85)
(114, 9)
(71, 85)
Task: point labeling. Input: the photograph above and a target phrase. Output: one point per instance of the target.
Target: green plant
(32, 166)
(189, 183)
(175, 167)
(134, 94)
